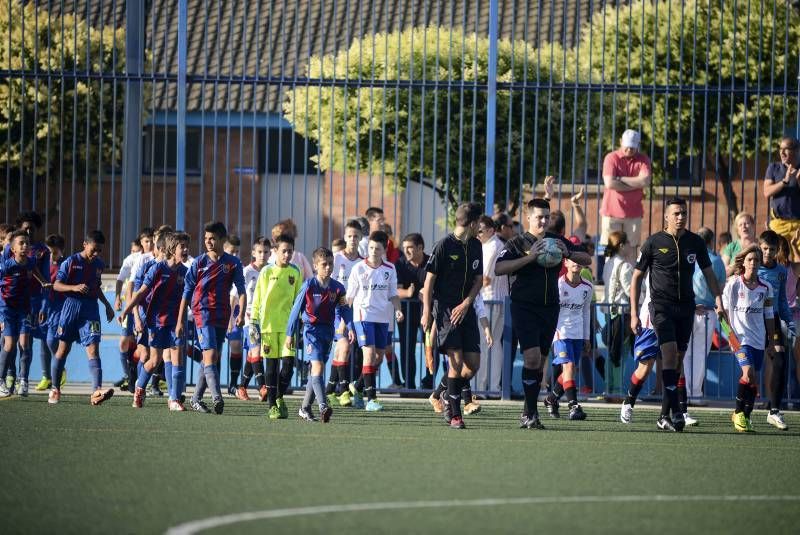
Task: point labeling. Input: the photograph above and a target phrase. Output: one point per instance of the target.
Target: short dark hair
(18, 234)
(707, 234)
(321, 253)
(354, 224)
(217, 228)
(467, 213)
(339, 243)
(770, 237)
(161, 241)
(95, 236)
(263, 241)
(55, 240)
(487, 221)
(364, 224)
(502, 219)
(146, 232)
(538, 203)
(726, 236)
(677, 201)
(5, 228)
(234, 240)
(558, 223)
(792, 140)
(284, 238)
(415, 238)
(380, 237)
(30, 217)
(373, 211)
(164, 229)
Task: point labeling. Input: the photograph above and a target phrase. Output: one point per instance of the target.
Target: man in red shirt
(626, 172)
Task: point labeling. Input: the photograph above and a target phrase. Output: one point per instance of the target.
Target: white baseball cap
(630, 139)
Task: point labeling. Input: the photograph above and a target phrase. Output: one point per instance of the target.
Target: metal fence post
(491, 109)
(132, 144)
(180, 180)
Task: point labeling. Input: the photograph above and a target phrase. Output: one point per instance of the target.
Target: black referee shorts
(535, 325)
(464, 336)
(672, 323)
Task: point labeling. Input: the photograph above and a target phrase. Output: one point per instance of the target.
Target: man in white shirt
(493, 292)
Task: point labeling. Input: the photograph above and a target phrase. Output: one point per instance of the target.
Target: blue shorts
(79, 321)
(369, 333)
(143, 338)
(317, 345)
(163, 337)
(127, 327)
(750, 356)
(209, 338)
(340, 329)
(52, 325)
(645, 346)
(14, 322)
(34, 328)
(567, 351)
(236, 334)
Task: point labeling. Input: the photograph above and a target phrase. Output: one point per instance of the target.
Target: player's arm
(458, 312)
(636, 287)
(102, 297)
(137, 298)
(293, 325)
(39, 278)
(772, 334)
(579, 223)
(60, 286)
(713, 285)
(189, 283)
(508, 262)
(427, 301)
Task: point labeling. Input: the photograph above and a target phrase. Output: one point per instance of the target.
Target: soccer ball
(551, 256)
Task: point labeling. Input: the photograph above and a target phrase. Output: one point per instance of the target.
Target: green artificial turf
(77, 468)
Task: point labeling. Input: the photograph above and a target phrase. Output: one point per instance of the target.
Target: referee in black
(670, 256)
(454, 277)
(534, 299)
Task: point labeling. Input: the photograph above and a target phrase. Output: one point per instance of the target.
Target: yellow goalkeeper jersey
(274, 296)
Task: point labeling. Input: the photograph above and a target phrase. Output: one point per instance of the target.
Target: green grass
(77, 468)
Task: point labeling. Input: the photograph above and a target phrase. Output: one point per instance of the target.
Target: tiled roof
(255, 38)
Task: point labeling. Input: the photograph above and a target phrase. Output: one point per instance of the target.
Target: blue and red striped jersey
(138, 280)
(39, 254)
(15, 284)
(78, 270)
(208, 286)
(165, 285)
(54, 300)
(317, 305)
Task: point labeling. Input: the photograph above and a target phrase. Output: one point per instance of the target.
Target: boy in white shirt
(572, 338)
(748, 300)
(372, 292)
(253, 366)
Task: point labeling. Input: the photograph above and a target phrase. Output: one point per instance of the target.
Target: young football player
(52, 309)
(234, 336)
(253, 367)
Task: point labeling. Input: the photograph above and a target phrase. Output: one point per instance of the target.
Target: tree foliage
(718, 50)
(689, 75)
(43, 118)
(379, 123)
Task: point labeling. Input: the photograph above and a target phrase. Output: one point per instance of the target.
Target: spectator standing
(783, 191)
(617, 272)
(745, 225)
(705, 322)
(494, 292)
(410, 279)
(504, 226)
(626, 173)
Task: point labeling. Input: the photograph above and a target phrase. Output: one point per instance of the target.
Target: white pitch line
(197, 526)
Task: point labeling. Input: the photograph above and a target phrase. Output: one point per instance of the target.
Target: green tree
(722, 47)
(41, 119)
(432, 134)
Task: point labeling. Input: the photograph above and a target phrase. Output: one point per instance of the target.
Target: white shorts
(631, 226)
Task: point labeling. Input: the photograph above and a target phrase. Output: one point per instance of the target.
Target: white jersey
(138, 263)
(747, 309)
(342, 266)
(127, 266)
(644, 310)
(370, 290)
(251, 273)
(575, 307)
(188, 262)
